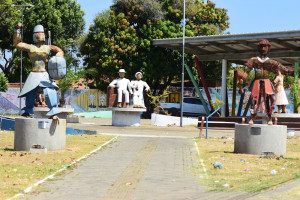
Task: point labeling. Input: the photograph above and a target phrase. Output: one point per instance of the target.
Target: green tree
(8, 18)
(121, 38)
(64, 18)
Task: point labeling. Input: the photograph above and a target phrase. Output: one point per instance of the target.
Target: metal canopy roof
(238, 48)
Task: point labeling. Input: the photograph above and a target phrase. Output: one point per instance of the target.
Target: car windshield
(188, 100)
(192, 101)
(197, 101)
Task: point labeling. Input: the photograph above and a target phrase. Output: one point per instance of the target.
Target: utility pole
(182, 69)
(21, 70)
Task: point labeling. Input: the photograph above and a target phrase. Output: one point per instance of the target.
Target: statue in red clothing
(261, 86)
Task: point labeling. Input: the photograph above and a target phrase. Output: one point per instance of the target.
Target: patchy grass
(253, 175)
(20, 169)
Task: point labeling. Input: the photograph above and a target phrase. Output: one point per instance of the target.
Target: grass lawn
(20, 169)
(252, 173)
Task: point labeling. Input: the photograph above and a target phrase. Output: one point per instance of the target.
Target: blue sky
(92, 8)
(261, 15)
(246, 16)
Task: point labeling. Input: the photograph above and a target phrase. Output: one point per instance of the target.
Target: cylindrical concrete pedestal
(46, 132)
(126, 118)
(258, 138)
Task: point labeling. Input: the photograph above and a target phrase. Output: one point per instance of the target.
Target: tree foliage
(64, 18)
(66, 83)
(121, 38)
(3, 82)
(8, 16)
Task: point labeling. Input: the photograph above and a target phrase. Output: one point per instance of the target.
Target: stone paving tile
(169, 175)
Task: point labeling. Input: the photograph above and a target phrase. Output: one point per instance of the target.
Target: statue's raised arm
(18, 38)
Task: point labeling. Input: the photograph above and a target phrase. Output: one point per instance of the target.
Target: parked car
(192, 106)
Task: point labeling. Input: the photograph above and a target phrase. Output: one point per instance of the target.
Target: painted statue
(40, 100)
(261, 86)
(123, 85)
(138, 89)
(280, 97)
(38, 77)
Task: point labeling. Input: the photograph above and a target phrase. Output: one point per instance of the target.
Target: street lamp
(22, 6)
(182, 70)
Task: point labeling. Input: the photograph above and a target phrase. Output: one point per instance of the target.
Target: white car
(192, 106)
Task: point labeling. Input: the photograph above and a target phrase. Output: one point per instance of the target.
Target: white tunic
(138, 89)
(123, 84)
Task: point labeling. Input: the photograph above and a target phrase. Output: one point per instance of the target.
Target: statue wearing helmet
(38, 78)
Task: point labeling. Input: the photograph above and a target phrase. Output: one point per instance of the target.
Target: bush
(3, 82)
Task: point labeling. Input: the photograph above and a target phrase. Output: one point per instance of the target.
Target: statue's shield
(57, 67)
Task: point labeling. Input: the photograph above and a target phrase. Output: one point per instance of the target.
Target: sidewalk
(103, 126)
(144, 163)
(134, 168)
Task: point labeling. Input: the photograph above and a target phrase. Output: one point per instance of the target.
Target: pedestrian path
(135, 168)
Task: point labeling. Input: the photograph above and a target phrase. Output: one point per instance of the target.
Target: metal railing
(207, 121)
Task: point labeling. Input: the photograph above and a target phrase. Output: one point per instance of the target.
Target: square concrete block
(38, 151)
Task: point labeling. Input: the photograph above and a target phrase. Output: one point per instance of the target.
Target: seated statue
(122, 84)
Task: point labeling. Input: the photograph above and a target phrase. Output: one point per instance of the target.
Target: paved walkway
(134, 168)
(150, 164)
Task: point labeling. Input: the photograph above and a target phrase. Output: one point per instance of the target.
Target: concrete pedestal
(72, 119)
(126, 116)
(40, 112)
(46, 132)
(258, 138)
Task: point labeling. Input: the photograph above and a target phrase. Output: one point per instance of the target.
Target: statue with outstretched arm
(38, 77)
(261, 86)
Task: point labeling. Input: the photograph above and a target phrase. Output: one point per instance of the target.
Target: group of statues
(40, 81)
(135, 88)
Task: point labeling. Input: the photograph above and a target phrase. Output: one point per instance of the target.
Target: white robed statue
(138, 89)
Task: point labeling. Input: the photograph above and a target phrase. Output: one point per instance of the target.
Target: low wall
(98, 114)
(82, 100)
(165, 120)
